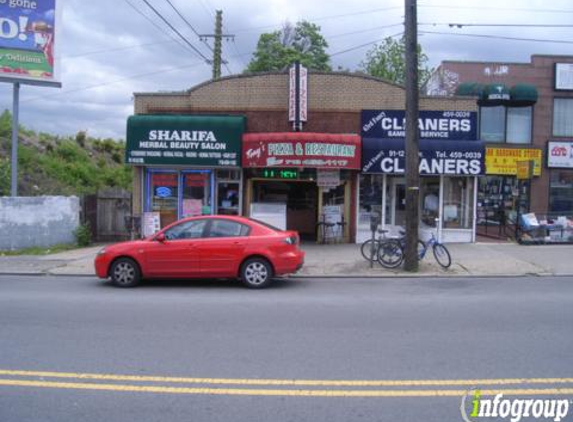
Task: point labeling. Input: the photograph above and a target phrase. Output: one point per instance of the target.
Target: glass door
(196, 193)
(396, 201)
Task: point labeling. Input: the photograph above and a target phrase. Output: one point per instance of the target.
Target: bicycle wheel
(390, 253)
(365, 249)
(442, 255)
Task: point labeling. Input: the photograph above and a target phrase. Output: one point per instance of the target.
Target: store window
(563, 117)
(458, 203)
(506, 124)
(430, 200)
(164, 194)
(561, 191)
(228, 192)
(196, 195)
(492, 124)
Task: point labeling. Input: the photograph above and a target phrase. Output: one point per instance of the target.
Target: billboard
(28, 41)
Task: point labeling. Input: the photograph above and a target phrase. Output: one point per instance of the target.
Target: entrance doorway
(300, 198)
(396, 201)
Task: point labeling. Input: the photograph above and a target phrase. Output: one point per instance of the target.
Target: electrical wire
(517, 25)
(176, 31)
(512, 9)
(497, 37)
(366, 44)
(188, 24)
(109, 50)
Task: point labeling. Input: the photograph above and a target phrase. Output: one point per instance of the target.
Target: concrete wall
(38, 221)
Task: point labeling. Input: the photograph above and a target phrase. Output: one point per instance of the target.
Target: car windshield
(267, 225)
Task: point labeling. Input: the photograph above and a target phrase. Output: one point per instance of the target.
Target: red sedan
(205, 247)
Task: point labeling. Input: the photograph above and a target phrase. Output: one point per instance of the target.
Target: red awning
(302, 149)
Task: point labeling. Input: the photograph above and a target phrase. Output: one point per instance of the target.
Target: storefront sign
(327, 178)
(279, 174)
(298, 99)
(297, 149)
(388, 124)
(560, 155)
(436, 157)
(504, 160)
(28, 39)
(209, 141)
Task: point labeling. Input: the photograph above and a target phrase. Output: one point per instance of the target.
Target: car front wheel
(256, 273)
(125, 273)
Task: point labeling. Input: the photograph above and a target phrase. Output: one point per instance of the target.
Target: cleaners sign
(28, 39)
(436, 157)
(208, 141)
(391, 124)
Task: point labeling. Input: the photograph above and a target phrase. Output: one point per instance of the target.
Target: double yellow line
(288, 387)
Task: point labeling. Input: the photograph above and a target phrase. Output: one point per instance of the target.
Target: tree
(278, 50)
(387, 61)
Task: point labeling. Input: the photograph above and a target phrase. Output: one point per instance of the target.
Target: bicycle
(392, 254)
(439, 250)
(366, 248)
(391, 251)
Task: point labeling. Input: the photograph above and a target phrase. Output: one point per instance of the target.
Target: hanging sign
(328, 178)
(524, 169)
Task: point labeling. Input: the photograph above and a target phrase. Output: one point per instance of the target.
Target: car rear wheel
(125, 273)
(256, 273)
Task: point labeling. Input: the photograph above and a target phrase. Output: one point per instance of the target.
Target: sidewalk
(345, 260)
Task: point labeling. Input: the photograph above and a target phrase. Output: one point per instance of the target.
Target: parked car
(204, 247)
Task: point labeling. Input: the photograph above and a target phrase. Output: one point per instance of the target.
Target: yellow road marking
(292, 393)
(290, 382)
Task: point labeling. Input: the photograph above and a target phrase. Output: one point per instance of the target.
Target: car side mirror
(160, 237)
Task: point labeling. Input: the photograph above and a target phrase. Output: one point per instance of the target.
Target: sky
(109, 49)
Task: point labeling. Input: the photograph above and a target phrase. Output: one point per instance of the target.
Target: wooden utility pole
(217, 44)
(412, 141)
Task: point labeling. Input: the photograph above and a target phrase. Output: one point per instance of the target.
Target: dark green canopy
(523, 95)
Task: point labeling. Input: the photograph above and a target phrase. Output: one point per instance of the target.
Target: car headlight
(101, 251)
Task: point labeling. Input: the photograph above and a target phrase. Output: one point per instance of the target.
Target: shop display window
(429, 200)
(163, 195)
(228, 198)
(458, 203)
(196, 197)
(370, 197)
(561, 191)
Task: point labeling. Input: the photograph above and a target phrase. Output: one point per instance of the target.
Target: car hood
(126, 245)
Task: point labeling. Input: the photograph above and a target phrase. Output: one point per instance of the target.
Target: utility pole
(412, 141)
(217, 47)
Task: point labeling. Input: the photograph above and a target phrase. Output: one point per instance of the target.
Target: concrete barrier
(38, 221)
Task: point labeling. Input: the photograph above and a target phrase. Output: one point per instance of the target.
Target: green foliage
(278, 50)
(81, 138)
(83, 235)
(6, 124)
(387, 60)
(5, 177)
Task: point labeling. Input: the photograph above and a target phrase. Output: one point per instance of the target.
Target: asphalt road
(404, 349)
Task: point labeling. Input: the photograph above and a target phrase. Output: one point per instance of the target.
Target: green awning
(494, 95)
(523, 95)
(470, 89)
(190, 140)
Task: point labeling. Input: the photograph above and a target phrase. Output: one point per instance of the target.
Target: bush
(83, 235)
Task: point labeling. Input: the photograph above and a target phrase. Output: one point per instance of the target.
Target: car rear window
(267, 225)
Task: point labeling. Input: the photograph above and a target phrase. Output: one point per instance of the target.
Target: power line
(364, 30)
(365, 45)
(512, 9)
(188, 24)
(497, 37)
(518, 25)
(109, 50)
(176, 31)
(154, 24)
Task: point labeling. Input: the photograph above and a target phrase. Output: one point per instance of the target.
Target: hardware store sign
(503, 161)
(208, 141)
(391, 124)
